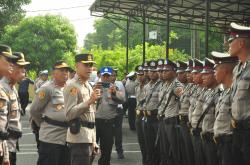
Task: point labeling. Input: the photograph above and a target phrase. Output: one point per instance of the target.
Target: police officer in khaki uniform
(79, 99)
(14, 106)
(47, 110)
(169, 108)
(187, 153)
(195, 111)
(6, 68)
(222, 125)
(150, 114)
(239, 47)
(208, 115)
(43, 79)
(139, 122)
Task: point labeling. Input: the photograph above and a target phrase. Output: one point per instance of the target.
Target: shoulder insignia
(41, 94)
(73, 91)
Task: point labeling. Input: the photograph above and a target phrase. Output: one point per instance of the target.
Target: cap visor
(105, 73)
(23, 63)
(88, 62)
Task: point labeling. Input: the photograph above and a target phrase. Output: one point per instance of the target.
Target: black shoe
(120, 156)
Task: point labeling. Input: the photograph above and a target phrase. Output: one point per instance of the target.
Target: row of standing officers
(196, 113)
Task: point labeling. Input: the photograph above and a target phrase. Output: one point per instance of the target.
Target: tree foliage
(116, 58)
(43, 39)
(11, 12)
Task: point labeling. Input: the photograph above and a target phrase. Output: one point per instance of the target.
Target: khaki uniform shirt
(211, 99)
(14, 113)
(195, 92)
(222, 124)
(130, 88)
(107, 105)
(152, 96)
(241, 92)
(197, 112)
(140, 96)
(49, 102)
(4, 103)
(185, 100)
(171, 109)
(76, 94)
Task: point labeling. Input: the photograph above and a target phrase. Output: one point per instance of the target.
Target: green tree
(11, 12)
(43, 39)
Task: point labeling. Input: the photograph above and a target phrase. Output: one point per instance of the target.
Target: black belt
(4, 135)
(223, 139)
(183, 118)
(88, 124)
(14, 134)
(171, 120)
(196, 131)
(208, 136)
(55, 122)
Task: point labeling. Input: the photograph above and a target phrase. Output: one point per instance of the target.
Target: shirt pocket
(57, 103)
(243, 89)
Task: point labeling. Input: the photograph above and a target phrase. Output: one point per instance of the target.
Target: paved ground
(28, 151)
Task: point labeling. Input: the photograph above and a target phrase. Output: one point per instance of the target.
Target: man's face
(140, 77)
(161, 75)
(235, 46)
(18, 73)
(208, 79)
(84, 70)
(182, 77)
(106, 78)
(220, 73)
(6, 67)
(44, 77)
(197, 77)
(153, 75)
(189, 77)
(169, 74)
(61, 75)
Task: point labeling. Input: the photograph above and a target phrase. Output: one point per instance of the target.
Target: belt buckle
(233, 123)
(149, 113)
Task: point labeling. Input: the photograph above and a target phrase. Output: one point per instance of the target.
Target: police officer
(208, 115)
(79, 99)
(222, 125)
(169, 108)
(47, 110)
(187, 153)
(119, 116)
(140, 99)
(6, 68)
(131, 101)
(239, 47)
(146, 71)
(43, 79)
(195, 111)
(106, 113)
(150, 114)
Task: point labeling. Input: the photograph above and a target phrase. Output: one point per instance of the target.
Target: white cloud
(78, 16)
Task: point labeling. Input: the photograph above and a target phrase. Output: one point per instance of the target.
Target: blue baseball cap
(106, 70)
